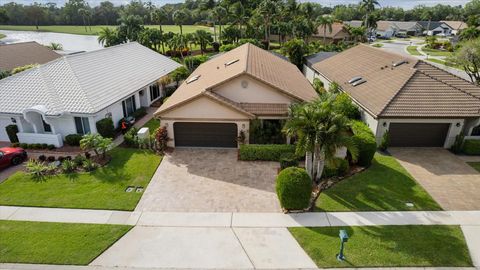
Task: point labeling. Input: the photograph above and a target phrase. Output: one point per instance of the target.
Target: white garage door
(3, 134)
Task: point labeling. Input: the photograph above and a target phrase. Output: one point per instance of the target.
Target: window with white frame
(154, 92)
(83, 125)
(129, 106)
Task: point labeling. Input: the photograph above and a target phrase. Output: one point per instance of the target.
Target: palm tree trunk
(214, 32)
(320, 165)
(325, 36)
(85, 24)
(181, 29)
(309, 163)
(219, 32)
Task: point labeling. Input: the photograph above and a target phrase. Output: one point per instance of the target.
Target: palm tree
(180, 17)
(267, 9)
(469, 33)
(237, 12)
(427, 15)
(130, 26)
(107, 37)
(369, 7)
(320, 130)
(55, 46)
(159, 16)
(218, 14)
(325, 22)
(202, 38)
(84, 13)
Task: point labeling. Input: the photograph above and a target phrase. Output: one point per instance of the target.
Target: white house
(420, 105)
(434, 28)
(70, 94)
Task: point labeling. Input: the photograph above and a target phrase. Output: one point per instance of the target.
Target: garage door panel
(418, 134)
(205, 134)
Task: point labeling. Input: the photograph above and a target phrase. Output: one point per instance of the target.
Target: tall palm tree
(320, 130)
(202, 38)
(218, 13)
(159, 16)
(237, 12)
(180, 17)
(369, 7)
(107, 36)
(325, 22)
(84, 13)
(267, 9)
(427, 16)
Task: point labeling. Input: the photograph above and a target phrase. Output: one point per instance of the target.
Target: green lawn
(152, 124)
(384, 186)
(55, 243)
(386, 246)
(102, 189)
(433, 52)
(413, 50)
(442, 62)
(475, 165)
(80, 30)
(2, 36)
(377, 45)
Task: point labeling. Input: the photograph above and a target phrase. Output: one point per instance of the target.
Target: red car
(11, 156)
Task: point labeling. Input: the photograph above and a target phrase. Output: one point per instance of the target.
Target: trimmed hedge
(265, 152)
(12, 131)
(73, 139)
(471, 147)
(294, 188)
(40, 146)
(105, 128)
(139, 113)
(365, 141)
(288, 160)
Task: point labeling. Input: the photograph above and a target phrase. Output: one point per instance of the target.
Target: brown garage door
(418, 134)
(205, 134)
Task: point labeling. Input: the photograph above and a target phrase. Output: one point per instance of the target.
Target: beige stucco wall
(254, 92)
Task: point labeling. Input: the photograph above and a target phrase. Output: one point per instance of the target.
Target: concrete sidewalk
(252, 220)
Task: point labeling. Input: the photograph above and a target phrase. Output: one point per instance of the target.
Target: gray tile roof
(318, 57)
(84, 83)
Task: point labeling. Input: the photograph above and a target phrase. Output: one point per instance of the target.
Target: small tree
(468, 57)
(12, 131)
(295, 50)
(96, 143)
(385, 141)
(179, 74)
(161, 137)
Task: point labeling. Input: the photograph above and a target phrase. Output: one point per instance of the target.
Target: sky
(406, 4)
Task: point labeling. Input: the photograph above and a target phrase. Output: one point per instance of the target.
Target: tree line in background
(79, 12)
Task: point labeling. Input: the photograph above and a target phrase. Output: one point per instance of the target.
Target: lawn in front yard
(386, 246)
(152, 124)
(384, 186)
(55, 243)
(475, 165)
(101, 189)
(435, 52)
(413, 50)
(2, 36)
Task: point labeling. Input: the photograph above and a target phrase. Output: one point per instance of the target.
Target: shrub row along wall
(471, 147)
(265, 152)
(365, 141)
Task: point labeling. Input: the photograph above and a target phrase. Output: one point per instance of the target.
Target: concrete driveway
(211, 180)
(449, 180)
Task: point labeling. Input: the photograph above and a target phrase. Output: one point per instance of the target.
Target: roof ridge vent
(354, 79)
(358, 82)
(399, 63)
(231, 62)
(194, 78)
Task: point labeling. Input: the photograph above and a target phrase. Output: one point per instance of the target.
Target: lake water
(69, 42)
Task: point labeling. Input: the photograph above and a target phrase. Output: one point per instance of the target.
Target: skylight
(194, 78)
(358, 82)
(354, 79)
(399, 63)
(231, 62)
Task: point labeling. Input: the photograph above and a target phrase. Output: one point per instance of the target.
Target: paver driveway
(211, 180)
(451, 182)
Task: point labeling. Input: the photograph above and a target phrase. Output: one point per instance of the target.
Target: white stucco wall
(4, 121)
(254, 92)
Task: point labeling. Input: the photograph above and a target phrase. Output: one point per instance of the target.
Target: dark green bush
(105, 128)
(267, 152)
(471, 147)
(73, 139)
(294, 188)
(12, 131)
(140, 113)
(131, 137)
(365, 141)
(288, 160)
(339, 167)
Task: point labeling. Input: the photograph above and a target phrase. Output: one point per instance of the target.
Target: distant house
(457, 26)
(338, 33)
(434, 28)
(408, 28)
(420, 105)
(25, 53)
(218, 102)
(384, 29)
(70, 94)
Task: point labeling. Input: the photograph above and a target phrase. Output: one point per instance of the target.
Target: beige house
(420, 105)
(338, 33)
(215, 105)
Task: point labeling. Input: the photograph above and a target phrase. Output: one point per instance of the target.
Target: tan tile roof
(245, 60)
(336, 29)
(456, 25)
(266, 109)
(26, 53)
(414, 89)
(385, 25)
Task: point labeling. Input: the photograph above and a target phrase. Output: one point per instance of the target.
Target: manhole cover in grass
(130, 189)
(139, 189)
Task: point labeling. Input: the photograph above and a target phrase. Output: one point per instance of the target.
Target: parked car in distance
(11, 156)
